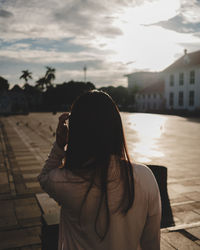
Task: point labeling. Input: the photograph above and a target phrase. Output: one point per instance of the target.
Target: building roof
(157, 87)
(187, 60)
(141, 73)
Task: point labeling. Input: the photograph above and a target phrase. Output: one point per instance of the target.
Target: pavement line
(27, 141)
(182, 203)
(3, 137)
(179, 227)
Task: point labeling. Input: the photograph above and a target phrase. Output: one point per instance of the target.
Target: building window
(171, 80)
(154, 95)
(181, 78)
(171, 99)
(149, 96)
(191, 98)
(180, 98)
(192, 77)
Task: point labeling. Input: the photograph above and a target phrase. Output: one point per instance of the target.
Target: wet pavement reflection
(147, 130)
(171, 141)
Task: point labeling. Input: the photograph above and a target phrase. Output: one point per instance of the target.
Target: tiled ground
(24, 144)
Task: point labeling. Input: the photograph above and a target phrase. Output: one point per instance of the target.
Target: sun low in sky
(112, 38)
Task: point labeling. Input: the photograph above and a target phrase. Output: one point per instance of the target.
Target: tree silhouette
(44, 83)
(41, 84)
(33, 96)
(49, 76)
(26, 75)
(4, 85)
(121, 95)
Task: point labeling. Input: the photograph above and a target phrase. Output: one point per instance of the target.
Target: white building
(150, 98)
(182, 83)
(140, 80)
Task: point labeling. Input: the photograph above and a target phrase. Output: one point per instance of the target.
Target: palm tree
(49, 76)
(26, 75)
(41, 83)
(44, 83)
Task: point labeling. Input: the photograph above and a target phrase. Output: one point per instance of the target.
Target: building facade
(140, 80)
(182, 83)
(151, 98)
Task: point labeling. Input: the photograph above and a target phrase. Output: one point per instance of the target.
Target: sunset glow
(146, 45)
(111, 38)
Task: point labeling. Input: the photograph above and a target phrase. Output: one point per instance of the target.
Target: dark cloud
(87, 17)
(110, 31)
(79, 13)
(178, 24)
(60, 19)
(5, 13)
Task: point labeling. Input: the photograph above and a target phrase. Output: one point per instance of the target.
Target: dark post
(160, 174)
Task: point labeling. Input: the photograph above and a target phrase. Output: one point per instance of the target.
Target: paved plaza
(25, 142)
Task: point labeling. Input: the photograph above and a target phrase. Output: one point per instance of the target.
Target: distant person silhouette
(107, 202)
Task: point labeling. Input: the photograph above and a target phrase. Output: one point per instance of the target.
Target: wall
(186, 87)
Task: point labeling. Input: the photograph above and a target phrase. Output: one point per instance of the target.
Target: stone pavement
(24, 144)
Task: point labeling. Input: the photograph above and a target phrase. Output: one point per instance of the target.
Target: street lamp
(85, 71)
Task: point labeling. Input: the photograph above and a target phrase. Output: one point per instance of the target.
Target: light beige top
(139, 229)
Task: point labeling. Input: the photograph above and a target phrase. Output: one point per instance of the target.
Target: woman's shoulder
(63, 175)
(142, 169)
(144, 175)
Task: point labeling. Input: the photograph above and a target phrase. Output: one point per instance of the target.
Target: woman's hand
(62, 130)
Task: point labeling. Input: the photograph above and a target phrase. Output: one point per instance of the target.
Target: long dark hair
(95, 134)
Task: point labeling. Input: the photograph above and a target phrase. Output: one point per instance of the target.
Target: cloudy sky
(111, 37)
